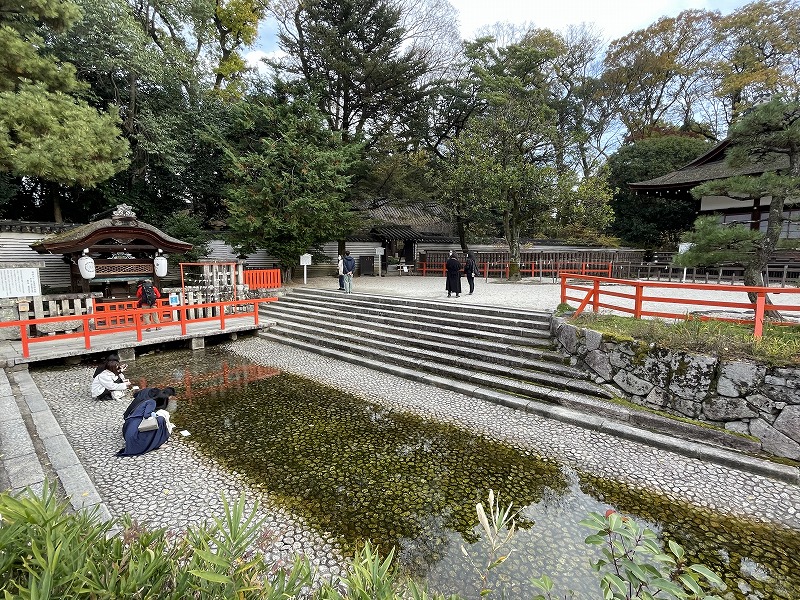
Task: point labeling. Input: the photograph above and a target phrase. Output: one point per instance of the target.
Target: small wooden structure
(123, 249)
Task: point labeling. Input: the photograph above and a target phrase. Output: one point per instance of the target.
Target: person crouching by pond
(146, 427)
(164, 399)
(453, 268)
(110, 383)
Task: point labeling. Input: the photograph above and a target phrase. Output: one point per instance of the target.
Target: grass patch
(779, 346)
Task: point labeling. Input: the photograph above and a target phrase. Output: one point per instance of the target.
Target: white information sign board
(19, 282)
(305, 260)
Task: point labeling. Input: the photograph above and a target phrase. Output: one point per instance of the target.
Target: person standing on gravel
(471, 271)
(340, 265)
(349, 268)
(453, 268)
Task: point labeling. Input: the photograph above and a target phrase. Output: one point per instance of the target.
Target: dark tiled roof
(692, 176)
(710, 165)
(400, 232)
(76, 238)
(396, 232)
(420, 214)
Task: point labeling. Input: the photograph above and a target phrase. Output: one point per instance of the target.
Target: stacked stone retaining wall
(741, 396)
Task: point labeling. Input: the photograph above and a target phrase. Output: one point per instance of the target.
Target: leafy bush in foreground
(47, 553)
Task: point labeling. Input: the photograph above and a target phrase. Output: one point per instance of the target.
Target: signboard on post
(379, 253)
(305, 260)
(174, 299)
(15, 283)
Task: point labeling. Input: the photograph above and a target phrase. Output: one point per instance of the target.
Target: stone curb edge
(27, 471)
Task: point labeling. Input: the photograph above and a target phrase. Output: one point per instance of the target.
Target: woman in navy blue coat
(139, 442)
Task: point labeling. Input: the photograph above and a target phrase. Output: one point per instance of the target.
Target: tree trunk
(462, 233)
(753, 272)
(57, 216)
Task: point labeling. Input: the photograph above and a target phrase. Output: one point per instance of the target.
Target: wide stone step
(349, 352)
(288, 312)
(497, 324)
(449, 346)
(506, 316)
(525, 381)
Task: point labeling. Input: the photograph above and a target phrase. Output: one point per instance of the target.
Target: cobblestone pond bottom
(333, 468)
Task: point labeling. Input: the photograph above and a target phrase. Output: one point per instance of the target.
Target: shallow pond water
(361, 471)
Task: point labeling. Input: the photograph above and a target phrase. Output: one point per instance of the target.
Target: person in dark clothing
(453, 268)
(349, 268)
(161, 397)
(139, 442)
(471, 271)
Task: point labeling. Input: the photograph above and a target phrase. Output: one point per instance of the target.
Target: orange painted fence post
(637, 300)
(758, 326)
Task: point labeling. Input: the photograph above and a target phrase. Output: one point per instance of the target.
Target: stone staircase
(493, 350)
(501, 355)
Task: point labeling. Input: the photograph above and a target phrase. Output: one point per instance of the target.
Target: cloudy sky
(613, 18)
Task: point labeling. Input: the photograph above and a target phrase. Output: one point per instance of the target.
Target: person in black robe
(139, 442)
(471, 271)
(453, 268)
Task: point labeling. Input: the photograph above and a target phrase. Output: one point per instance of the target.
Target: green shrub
(46, 552)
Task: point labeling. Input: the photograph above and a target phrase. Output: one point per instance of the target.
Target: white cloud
(255, 59)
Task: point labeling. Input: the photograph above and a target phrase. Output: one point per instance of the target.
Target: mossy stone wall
(738, 395)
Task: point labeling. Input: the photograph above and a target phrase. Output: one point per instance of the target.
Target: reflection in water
(361, 471)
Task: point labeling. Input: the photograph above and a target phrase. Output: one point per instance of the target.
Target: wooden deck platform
(125, 342)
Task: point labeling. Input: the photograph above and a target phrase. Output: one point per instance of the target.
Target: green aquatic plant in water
(362, 471)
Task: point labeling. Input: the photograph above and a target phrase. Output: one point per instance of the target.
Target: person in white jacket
(110, 384)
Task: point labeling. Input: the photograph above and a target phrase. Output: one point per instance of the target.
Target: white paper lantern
(86, 265)
(160, 264)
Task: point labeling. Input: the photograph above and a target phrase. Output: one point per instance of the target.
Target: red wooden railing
(537, 268)
(262, 278)
(130, 319)
(116, 315)
(615, 298)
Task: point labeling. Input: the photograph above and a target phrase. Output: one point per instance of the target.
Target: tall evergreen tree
(647, 221)
(288, 174)
(349, 54)
(46, 129)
